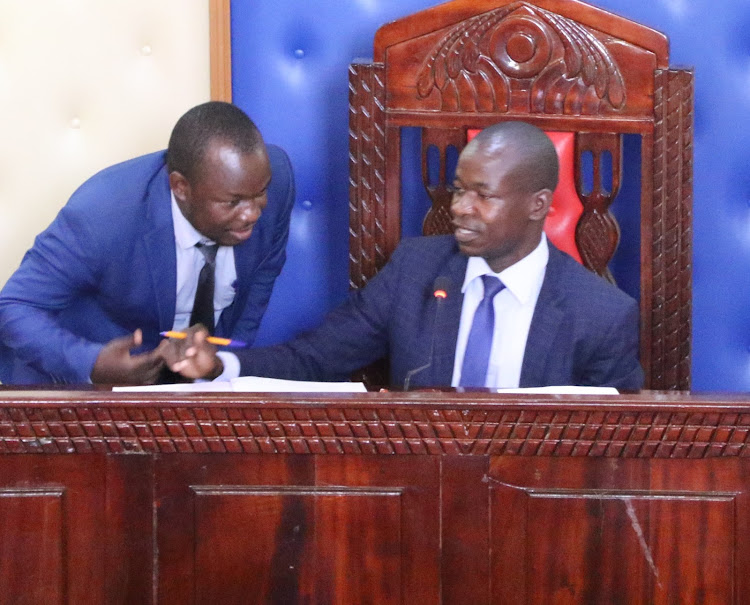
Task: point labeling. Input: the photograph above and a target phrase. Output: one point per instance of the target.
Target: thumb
(131, 341)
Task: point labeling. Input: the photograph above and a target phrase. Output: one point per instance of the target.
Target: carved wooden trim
(437, 221)
(366, 173)
(671, 311)
(597, 231)
(522, 58)
(552, 429)
(220, 37)
(424, 22)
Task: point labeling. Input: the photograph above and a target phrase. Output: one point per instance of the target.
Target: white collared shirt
(190, 261)
(514, 308)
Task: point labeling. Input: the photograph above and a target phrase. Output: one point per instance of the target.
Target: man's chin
(468, 248)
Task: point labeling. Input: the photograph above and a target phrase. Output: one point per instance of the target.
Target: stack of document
(563, 390)
(254, 384)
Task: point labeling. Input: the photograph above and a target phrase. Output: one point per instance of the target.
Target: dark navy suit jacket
(584, 331)
(107, 265)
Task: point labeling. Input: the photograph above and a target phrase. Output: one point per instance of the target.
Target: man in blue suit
(122, 260)
(493, 305)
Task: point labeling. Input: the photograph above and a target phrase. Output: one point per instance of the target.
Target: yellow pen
(214, 340)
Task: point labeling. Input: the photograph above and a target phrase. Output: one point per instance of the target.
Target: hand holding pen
(193, 353)
(214, 340)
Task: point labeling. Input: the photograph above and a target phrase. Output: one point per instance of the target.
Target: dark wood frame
(628, 88)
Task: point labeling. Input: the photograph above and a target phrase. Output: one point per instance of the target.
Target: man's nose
(462, 204)
(250, 211)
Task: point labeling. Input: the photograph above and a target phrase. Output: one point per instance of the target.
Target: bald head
(503, 190)
(536, 165)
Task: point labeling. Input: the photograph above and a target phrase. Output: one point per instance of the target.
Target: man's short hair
(203, 124)
(539, 165)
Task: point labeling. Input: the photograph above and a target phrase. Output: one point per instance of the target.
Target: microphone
(440, 288)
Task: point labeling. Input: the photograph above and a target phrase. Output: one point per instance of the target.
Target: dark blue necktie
(479, 344)
(203, 306)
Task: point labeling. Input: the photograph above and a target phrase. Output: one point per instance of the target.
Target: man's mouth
(243, 232)
(464, 234)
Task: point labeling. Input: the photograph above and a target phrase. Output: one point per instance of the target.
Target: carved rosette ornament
(522, 58)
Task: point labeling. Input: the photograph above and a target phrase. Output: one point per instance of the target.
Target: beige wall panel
(85, 84)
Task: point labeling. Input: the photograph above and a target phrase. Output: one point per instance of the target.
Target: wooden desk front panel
(309, 529)
(75, 529)
(545, 530)
(613, 531)
(629, 520)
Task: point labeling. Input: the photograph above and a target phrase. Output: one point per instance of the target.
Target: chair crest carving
(522, 58)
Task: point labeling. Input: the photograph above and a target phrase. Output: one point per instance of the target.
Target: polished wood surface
(423, 497)
(562, 65)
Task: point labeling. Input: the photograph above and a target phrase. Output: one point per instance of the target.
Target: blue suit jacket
(584, 331)
(107, 265)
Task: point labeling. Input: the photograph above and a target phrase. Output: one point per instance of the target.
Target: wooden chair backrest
(566, 67)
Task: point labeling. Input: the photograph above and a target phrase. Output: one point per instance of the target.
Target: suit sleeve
(351, 336)
(56, 269)
(615, 361)
(263, 278)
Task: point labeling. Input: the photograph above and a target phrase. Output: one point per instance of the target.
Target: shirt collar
(520, 278)
(185, 234)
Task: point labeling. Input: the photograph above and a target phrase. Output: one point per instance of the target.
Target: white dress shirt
(190, 261)
(514, 308)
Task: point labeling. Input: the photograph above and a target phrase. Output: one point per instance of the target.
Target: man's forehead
(224, 156)
(479, 157)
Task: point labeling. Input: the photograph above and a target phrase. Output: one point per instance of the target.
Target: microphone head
(440, 287)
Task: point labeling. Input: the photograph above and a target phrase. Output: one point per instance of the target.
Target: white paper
(563, 390)
(253, 384)
(258, 384)
(183, 387)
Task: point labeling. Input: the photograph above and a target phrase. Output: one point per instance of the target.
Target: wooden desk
(413, 498)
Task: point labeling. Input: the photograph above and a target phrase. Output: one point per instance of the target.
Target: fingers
(116, 365)
(180, 365)
(198, 358)
(170, 352)
(186, 359)
(147, 366)
(147, 361)
(126, 343)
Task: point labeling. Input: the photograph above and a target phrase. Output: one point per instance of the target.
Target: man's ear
(540, 204)
(179, 186)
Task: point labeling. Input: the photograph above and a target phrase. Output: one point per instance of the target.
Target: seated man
(196, 233)
(516, 312)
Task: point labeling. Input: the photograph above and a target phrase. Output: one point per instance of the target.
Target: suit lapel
(160, 249)
(545, 324)
(447, 320)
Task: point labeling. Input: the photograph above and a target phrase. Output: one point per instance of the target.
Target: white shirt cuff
(231, 366)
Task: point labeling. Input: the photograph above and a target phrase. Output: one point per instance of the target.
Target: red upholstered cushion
(567, 208)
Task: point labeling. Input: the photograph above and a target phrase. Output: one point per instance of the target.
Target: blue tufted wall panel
(290, 60)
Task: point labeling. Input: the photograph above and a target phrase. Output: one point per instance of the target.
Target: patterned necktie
(479, 344)
(203, 307)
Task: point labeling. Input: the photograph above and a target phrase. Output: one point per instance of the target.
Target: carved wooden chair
(583, 74)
